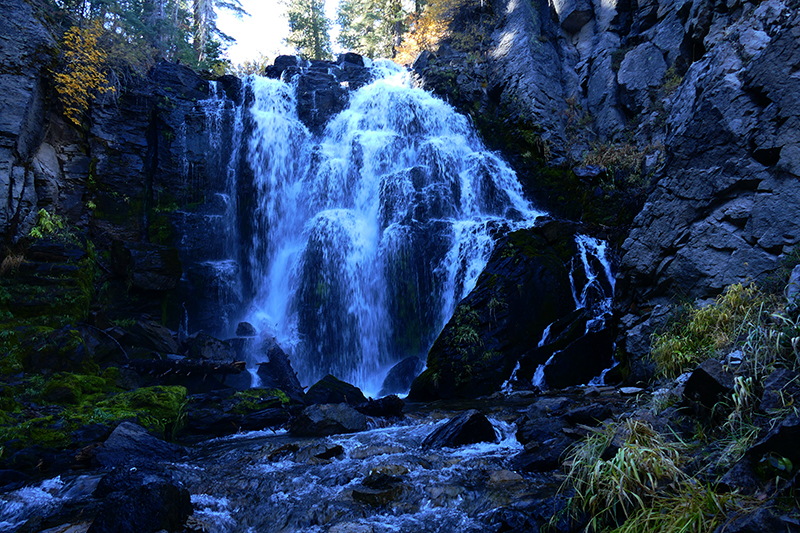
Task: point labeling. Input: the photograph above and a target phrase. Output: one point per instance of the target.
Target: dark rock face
(401, 375)
(720, 212)
(327, 419)
(322, 86)
(24, 54)
(332, 390)
(524, 287)
(147, 267)
(581, 360)
(469, 427)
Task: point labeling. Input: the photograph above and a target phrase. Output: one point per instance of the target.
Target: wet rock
(401, 375)
(330, 453)
(379, 497)
(333, 390)
(524, 288)
(148, 267)
(131, 444)
(225, 412)
(12, 479)
(245, 329)
(540, 429)
(206, 347)
(542, 457)
(781, 388)
(500, 479)
(581, 360)
(327, 419)
(387, 406)
(135, 502)
(319, 97)
(278, 373)
(708, 384)
(591, 415)
(469, 427)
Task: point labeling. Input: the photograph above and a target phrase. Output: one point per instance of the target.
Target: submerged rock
(327, 419)
(469, 427)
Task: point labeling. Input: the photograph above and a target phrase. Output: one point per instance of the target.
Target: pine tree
(371, 27)
(309, 28)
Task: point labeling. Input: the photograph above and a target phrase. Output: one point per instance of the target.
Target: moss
(69, 388)
(156, 407)
(258, 399)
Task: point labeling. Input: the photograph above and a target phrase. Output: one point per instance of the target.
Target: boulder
(278, 373)
(386, 407)
(469, 427)
(130, 444)
(524, 287)
(281, 63)
(779, 443)
(148, 267)
(327, 419)
(151, 336)
(781, 388)
(245, 329)
(542, 457)
(333, 390)
(136, 502)
(708, 384)
(401, 375)
(206, 347)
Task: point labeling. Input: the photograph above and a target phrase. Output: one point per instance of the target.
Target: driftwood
(185, 367)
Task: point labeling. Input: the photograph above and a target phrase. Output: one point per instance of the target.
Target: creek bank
(383, 478)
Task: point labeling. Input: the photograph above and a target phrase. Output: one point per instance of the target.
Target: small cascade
(364, 238)
(593, 283)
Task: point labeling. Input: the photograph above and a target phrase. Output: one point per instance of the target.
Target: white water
(365, 238)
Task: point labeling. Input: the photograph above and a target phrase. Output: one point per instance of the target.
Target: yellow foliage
(434, 26)
(82, 75)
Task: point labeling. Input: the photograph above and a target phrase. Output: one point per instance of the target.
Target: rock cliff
(705, 91)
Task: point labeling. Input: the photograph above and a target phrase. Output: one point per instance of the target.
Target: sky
(263, 31)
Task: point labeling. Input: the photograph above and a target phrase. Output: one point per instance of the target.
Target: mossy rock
(524, 287)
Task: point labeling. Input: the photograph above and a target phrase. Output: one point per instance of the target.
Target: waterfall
(365, 238)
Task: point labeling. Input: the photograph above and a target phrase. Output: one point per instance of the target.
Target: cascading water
(366, 237)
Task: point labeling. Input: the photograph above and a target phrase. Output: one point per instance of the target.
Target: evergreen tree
(309, 28)
(373, 28)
